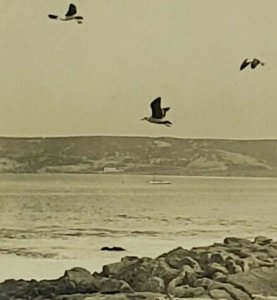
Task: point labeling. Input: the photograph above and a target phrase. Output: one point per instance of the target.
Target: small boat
(158, 181)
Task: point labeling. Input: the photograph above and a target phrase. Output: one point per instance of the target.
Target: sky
(98, 78)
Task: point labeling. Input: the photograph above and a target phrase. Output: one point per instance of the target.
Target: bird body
(253, 63)
(256, 62)
(69, 16)
(158, 113)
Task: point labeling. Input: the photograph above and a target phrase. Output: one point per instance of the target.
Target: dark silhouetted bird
(69, 16)
(254, 63)
(158, 113)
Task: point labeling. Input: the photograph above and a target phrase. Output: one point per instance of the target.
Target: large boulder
(81, 279)
(235, 241)
(174, 257)
(234, 293)
(220, 294)
(185, 284)
(111, 286)
(115, 269)
(142, 274)
(257, 281)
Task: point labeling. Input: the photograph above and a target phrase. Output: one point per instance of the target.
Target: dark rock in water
(112, 249)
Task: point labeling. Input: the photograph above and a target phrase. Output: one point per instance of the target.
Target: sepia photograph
(138, 150)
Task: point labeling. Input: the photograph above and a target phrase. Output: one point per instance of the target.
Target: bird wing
(52, 16)
(157, 112)
(244, 64)
(72, 10)
(254, 63)
(165, 110)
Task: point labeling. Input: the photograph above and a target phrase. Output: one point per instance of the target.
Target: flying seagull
(70, 15)
(253, 63)
(158, 113)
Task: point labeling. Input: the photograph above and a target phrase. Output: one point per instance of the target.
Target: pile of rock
(234, 270)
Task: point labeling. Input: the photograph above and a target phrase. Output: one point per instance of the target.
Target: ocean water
(51, 222)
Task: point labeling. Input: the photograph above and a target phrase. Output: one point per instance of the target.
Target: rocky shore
(237, 269)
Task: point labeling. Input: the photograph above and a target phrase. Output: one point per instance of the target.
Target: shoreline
(27, 268)
(205, 177)
(236, 268)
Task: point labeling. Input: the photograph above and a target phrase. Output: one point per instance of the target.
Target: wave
(26, 252)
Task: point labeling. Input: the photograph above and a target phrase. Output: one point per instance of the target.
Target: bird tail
(54, 17)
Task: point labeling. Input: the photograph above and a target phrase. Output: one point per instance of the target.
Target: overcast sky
(61, 78)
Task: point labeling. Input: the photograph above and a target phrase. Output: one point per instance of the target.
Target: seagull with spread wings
(253, 63)
(69, 16)
(158, 113)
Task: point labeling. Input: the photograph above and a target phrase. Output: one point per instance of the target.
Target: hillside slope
(139, 155)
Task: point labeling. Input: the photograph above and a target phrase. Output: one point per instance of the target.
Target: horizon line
(135, 136)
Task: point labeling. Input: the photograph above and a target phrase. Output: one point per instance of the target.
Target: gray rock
(189, 261)
(230, 241)
(187, 291)
(257, 281)
(81, 279)
(219, 276)
(134, 296)
(174, 258)
(139, 275)
(234, 292)
(212, 268)
(232, 267)
(220, 294)
(262, 240)
(156, 285)
(112, 286)
(115, 269)
(186, 278)
(205, 282)
(164, 271)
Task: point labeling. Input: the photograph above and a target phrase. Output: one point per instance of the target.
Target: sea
(53, 222)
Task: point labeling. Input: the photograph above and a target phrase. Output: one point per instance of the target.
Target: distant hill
(139, 155)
